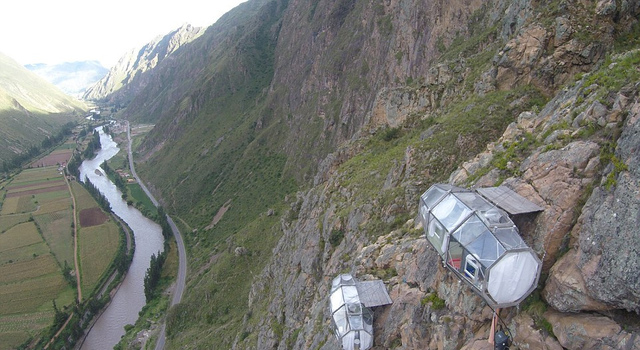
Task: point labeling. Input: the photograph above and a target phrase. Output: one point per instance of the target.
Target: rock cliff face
(126, 78)
(366, 104)
(566, 157)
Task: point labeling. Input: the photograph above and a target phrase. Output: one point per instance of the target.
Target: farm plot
(51, 186)
(15, 329)
(58, 156)
(31, 295)
(42, 195)
(98, 246)
(9, 221)
(28, 269)
(33, 188)
(92, 217)
(18, 205)
(35, 175)
(30, 278)
(56, 230)
(55, 205)
(35, 241)
(83, 198)
(21, 242)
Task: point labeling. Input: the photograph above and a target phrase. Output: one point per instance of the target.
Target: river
(129, 299)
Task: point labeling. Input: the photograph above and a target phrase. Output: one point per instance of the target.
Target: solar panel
(373, 293)
(508, 200)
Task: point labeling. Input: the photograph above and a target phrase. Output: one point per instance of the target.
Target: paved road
(182, 254)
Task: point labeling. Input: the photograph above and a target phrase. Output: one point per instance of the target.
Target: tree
(152, 276)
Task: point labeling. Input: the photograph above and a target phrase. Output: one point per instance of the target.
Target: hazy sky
(56, 31)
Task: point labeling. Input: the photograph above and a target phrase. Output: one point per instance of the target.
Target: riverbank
(129, 299)
(112, 285)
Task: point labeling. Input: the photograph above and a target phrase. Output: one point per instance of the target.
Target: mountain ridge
(137, 61)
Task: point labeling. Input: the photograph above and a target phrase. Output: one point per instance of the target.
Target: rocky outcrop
(547, 55)
(590, 332)
(608, 238)
(603, 261)
(597, 274)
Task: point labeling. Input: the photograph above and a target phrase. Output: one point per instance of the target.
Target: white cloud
(45, 31)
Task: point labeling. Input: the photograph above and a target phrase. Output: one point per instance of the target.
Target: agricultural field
(96, 230)
(37, 243)
(96, 261)
(59, 156)
(35, 240)
(30, 278)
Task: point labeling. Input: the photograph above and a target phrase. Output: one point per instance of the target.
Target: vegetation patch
(617, 72)
(432, 298)
(336, 237)
(535, 306)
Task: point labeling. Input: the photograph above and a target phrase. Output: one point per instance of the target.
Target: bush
(436, 302)
(336, 237)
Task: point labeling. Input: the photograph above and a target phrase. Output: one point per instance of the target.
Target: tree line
(152, 276)
(103, 202)
(93, 146)
(18, 160)
(120, 183)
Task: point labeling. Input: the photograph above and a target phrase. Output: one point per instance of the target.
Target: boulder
(566, 290)
(590, 332)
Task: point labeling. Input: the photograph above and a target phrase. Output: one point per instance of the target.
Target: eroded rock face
(609, 240)
(527, 57)
(599, 274)
(590, 331)
(565, 289)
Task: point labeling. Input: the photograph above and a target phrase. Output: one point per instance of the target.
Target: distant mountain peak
(139, 60)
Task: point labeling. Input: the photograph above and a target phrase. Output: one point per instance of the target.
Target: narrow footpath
(182, 254)
(75, 256)
(75, 237)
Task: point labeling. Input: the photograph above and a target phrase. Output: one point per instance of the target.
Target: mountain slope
(129, 70)
(73, 78)
(360, 106)
(31, 91)
(31, 109)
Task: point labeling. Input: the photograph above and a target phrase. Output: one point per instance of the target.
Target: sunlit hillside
(30, 109)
